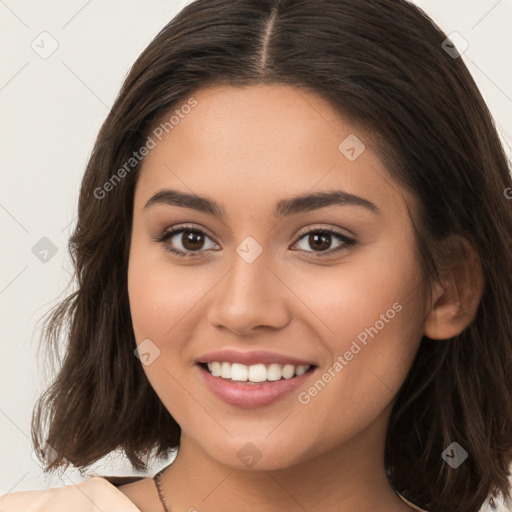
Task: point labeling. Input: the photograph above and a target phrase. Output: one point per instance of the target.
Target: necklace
(159, 489)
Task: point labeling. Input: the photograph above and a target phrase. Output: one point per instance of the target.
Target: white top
(96, 494)
(93, 495)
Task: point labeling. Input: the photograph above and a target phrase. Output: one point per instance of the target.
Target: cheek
(161, 294)
(342, 302)
(162, 302)
(360, 382)
(374, 322)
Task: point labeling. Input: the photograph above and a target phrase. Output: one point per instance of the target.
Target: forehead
(257, 143)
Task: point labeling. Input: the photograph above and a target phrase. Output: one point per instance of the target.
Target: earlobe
(455, 303)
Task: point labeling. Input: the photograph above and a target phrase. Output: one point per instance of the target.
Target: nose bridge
(248, 279)
(250, 294)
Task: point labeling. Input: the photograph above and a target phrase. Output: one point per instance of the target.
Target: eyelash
(347, 242)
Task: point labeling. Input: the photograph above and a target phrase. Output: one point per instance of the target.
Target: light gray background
(52, 109)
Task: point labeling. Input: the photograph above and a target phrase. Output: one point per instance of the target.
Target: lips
(247, 394)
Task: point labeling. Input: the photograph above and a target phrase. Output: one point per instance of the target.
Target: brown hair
(382, 64)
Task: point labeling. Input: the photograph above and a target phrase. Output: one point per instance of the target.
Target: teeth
(215, 369)
(301, 369)
(255, 372)
(288, 371)
(239, 372)
(274, 372)
(225, 370)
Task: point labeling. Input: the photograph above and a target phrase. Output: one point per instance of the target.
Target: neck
(351, 477)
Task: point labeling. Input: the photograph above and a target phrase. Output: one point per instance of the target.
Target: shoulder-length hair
(386, 66)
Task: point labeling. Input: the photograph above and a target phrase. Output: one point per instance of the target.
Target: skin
(247, 149)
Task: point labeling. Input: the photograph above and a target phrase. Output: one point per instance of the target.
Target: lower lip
(249, 395)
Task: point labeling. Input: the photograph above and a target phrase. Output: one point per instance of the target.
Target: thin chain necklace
(159, 489)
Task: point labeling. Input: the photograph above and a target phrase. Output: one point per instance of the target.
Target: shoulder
(94, 494)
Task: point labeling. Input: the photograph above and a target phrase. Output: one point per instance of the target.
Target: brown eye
(192, 240)
(185, 241)
(320, 240)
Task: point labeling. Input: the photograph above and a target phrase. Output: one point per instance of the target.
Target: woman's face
(257, 285)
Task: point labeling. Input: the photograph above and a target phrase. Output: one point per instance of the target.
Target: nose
(250, 297)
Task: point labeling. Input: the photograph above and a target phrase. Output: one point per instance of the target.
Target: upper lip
(251, 357)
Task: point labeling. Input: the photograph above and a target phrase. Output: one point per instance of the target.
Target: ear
(455, 303)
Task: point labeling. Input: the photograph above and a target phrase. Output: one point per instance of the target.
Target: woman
(293, 259)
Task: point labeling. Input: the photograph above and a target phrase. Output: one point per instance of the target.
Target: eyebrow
(284, 207)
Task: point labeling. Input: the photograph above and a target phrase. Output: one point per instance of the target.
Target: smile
(256, 372)
(253, 386)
